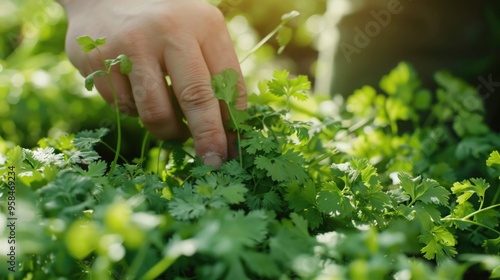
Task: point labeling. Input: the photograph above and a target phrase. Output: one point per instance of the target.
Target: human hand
(186, 40)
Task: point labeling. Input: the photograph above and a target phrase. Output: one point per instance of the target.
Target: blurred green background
(43, 95)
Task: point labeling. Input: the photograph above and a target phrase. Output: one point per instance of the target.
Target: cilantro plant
(88, 44)
(399, 183)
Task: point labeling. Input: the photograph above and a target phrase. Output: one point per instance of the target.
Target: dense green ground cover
(374, 191)
(397, 182)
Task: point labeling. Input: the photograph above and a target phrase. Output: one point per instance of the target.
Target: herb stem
(471, 222)
(238, 135)
(325, 156)
(143, 148)
(138, 260)
(159, 268)
(113, 150)
(480, 211)
(118, 120)
(262, 42)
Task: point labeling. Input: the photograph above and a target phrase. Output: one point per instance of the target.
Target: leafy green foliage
(309, 198)
(88, 44)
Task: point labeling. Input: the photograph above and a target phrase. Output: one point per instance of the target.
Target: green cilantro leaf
(96, 169)
(467, 188)
(186, 204)
(494, 158)
(224, 86)
(286, 167)
(281, 85)
(440, 244)
(88, 44)
(234, 193)
(433, 193)
(256, 141)
(427, 190)
(261, 264)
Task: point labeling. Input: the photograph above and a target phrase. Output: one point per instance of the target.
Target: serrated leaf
(233, 193)
(231, 231)
(330, 202)
(440, 244)
(492, 246)
(256, 141)
(433, 193)
(233, 168)
(41, 157)
(286, 167)
(261, 264)
(494, 158)
(271, 200)
(300, 198)
(300, 223)
(469, 187)
(186, 204)
(224, 86)
(427, 190)
(427, 214)
(202, 170)
(96, 169)
(281, 85)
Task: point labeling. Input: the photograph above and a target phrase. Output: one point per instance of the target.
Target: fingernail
(213, 159)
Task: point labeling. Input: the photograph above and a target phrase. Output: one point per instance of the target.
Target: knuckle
(154, 115)
(209, 135)
(212, 14)
(196, 95)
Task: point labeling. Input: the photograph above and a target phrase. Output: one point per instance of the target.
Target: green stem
(238, 136)
(118, 121)
(143, 148)
(159, 268)
(325, 156)
(471, 222)
(113, 150)
(481, 210)
(138, 260)
(263, 41)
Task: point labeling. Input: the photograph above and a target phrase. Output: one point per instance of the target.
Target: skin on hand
(186, 40)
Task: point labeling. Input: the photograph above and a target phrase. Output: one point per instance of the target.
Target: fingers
(121, 85)
(192, 85)
(219, 55)
(153, 102)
